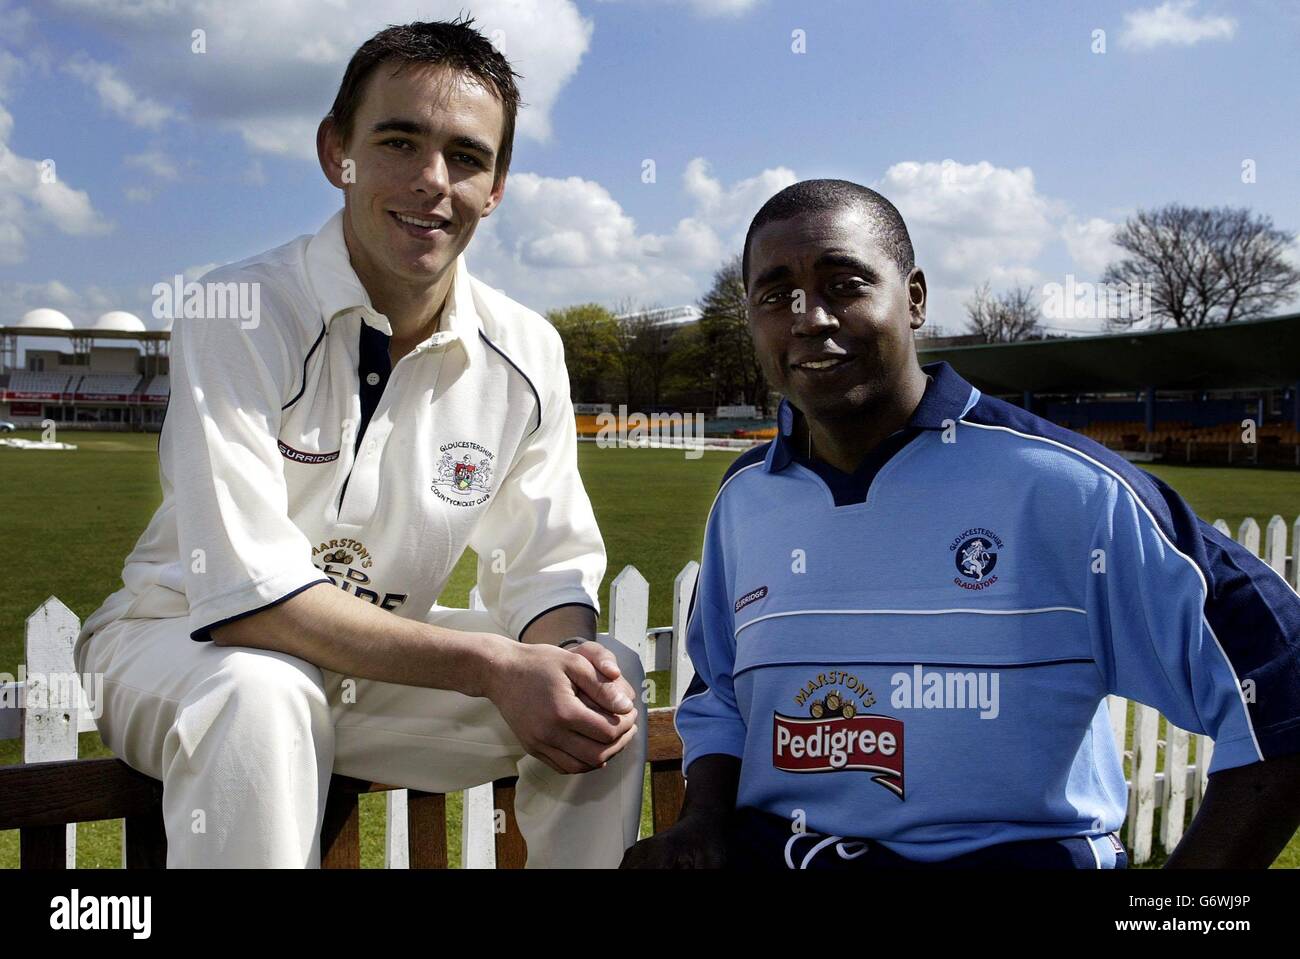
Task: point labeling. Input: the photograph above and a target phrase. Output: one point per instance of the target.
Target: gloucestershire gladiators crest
(975, 554)
(464, 474)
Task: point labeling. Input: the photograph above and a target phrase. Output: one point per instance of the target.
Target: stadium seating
(25, 381)
(159, 386)
(114, 383)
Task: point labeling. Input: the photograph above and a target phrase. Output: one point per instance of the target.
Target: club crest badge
(975, 554)
(464, 474)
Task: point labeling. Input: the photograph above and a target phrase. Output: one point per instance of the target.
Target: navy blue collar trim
(946, 397)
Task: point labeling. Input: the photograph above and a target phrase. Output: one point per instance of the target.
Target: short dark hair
(453, 43)
(820, 196)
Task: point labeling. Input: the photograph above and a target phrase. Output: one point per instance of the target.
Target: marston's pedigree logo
(345, 562)
(975, 554)
(464, 474)
(837, 735)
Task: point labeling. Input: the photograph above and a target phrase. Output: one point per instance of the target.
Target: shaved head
(820, 196)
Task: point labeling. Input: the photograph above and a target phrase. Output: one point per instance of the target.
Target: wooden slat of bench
(84, 790)
(667, 790)
(43, 847)
(664, 743)
(426, 817)
(340, 837)
(664, 752)
(145, 840)
(512, 851)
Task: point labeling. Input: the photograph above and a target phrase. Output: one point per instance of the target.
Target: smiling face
(424, 143)
(851, 346)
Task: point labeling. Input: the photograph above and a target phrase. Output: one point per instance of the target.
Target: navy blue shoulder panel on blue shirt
(755, 454)
(1251, 610)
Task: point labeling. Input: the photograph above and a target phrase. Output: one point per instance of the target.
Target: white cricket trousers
(244, 741)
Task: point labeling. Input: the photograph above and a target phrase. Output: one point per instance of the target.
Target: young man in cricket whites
(914, 601)
(323, 469)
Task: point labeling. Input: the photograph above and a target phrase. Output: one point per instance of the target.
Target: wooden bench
(40, 799)
(52, 789)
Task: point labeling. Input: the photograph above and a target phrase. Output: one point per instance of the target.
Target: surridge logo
(975, 554)
(837, 736)
(464, 474)
(752, 596)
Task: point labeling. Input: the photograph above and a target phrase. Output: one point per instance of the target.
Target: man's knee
(261, 686)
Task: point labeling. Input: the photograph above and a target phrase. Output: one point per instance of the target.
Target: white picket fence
(49, 732)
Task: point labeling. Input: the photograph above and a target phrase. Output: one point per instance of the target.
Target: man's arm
(1198, 627)
(1248, 816)
(563, 706)
(560, 624)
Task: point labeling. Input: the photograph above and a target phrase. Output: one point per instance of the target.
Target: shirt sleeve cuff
(705, 734)
(211, 613)
(583, 602)
(578, 597)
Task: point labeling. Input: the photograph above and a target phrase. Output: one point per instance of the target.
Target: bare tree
(1203, 266)
(1005, 317)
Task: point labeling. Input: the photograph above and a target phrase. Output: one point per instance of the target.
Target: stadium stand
(51, 384)
(107, 384)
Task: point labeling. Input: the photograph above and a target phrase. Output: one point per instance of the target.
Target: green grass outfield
(70, 518)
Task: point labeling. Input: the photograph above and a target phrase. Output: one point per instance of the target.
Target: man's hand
(694, 842)
(565, 706)
(610, 676)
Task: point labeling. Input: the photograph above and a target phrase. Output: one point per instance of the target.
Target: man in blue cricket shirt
(913, 602)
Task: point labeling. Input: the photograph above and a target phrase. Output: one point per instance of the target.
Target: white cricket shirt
(292, 455)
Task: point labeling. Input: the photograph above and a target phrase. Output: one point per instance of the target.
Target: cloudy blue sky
(1012, 147)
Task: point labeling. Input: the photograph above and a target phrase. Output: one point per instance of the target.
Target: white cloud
(968, 219)
(1175, 23)
(1090, 243)
(971, 223)
(118, 96)
(732, 207)
(138, 194)
(722, 8)
(156, 162)
(81, 306)
(272, 67)
(32, 193)
(711, 8)
(554, 241)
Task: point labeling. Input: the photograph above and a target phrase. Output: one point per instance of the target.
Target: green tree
(590, 335)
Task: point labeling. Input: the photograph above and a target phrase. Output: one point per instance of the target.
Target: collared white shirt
(291, 455)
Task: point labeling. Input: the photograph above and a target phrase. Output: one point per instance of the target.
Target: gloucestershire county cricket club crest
(464, 474)
(837, 734)
(975, 553)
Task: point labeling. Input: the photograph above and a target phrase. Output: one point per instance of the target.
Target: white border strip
(913, 612)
